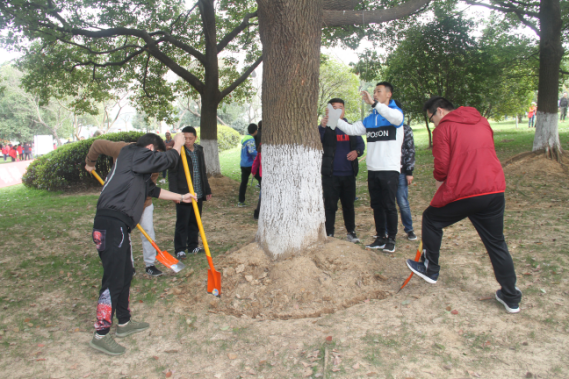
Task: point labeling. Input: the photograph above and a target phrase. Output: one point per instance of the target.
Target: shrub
(64, 168)
(227, 138)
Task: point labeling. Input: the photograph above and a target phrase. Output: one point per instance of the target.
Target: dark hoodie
(465, 158)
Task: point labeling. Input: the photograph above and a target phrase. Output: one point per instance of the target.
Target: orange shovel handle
(417, 257)
(198, 218)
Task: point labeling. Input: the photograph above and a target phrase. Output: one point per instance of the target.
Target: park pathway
(11, 173)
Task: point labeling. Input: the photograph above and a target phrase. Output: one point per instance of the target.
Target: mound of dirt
(329, 277)
(221, 184)
(534, 165)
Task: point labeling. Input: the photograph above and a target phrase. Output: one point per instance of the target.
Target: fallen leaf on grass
(335, 369)
(454, 312)
(371, 373)
(356, 366)
(306, 373)
(329, 339)
(169, 374)
(232, 356)
(486, 298)
(155, 357)
(170, 351)
(40, 359)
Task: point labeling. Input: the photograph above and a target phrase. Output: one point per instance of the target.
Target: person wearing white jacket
(384, 133)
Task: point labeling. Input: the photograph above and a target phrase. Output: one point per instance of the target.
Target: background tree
(292, 211)
(23, 115)
(114, 44)
(338, 80)
(549, 19)
(441, 58)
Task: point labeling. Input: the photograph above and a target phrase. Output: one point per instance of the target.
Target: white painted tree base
(211, 154)
(546, 132)
(292, 210)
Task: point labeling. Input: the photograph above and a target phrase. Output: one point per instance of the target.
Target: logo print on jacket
(386, 133)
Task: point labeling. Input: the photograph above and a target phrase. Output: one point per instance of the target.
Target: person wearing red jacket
(470, 183)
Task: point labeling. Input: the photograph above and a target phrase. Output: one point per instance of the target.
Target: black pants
(487, 215)
(382, 186)
(187, 231)
(245, 173)
(112, 239)
(344, 189)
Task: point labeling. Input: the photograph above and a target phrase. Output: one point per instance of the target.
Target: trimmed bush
(227, 138)
(64, 168)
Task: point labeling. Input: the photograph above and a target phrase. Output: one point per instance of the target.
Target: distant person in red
(531, 115)
(13, 153)
(20, 152)
(5, 152)
(470, 183)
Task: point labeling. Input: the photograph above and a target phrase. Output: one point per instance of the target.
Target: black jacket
(128, 184)
(178, 182)
(329, 146)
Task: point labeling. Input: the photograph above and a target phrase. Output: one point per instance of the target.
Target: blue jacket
(248, 151)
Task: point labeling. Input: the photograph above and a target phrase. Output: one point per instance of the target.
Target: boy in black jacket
(186, 234)
(119, 209)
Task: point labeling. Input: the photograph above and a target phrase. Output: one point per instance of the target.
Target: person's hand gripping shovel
(161, 256)
(417, 257)
(213, 276)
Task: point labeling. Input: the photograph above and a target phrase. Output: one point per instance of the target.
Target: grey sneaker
(197, 250)
(107, 345)
(131, 327)
(352, 237)
(181, 255)
(240, 204)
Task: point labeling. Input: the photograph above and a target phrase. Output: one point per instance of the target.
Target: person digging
(470, 183)
(119, 209)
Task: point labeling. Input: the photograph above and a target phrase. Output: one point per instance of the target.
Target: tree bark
(428, 131)
(292, 211)
(550, 55)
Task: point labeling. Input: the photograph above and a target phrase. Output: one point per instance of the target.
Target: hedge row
(63, 168)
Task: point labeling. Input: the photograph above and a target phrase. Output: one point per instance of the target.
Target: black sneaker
(352, 237)
(197, 250)
(153, 271)
(411, 236)
(379, 243)
(420, 269)
(389, 246)
(510, 307)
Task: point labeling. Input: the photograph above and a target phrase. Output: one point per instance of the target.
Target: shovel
(213, 276)
(162, 256)
(417, 257)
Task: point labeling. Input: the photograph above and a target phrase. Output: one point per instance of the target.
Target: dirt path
(363, 328)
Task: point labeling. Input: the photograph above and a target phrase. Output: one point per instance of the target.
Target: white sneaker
(181, 255)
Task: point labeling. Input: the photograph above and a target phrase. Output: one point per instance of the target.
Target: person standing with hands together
(339, 170)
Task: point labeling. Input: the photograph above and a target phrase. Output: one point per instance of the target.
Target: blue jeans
(403, 202)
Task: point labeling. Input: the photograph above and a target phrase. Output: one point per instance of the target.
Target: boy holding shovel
(119, 209)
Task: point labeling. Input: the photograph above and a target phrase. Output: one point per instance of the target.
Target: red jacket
(257, 166)
(465, 158)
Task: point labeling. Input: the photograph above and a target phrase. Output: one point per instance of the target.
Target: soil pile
(329, 277)
(534, 165)
(221, 184)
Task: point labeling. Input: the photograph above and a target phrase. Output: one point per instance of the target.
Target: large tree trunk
(208, 136)
(210, 97)
(550, 55)
(292, 210)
